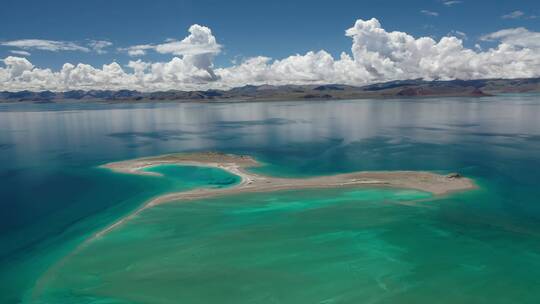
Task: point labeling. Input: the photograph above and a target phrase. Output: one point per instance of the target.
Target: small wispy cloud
(99, 46)
(20, 52)
(518, 15)
(45, 45)
(514, 15)
(137, 50)
(459, 34)
(24, 45)
(429, 13)
(452, 2)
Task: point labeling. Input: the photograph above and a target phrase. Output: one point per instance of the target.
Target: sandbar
(436, 184)
(250, 182)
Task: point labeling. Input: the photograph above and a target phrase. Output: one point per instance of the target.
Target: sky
(157, 45)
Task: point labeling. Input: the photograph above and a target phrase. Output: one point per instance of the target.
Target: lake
(309, 246)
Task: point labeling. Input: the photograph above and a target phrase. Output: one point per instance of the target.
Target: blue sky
(244, 28)
(191, 45)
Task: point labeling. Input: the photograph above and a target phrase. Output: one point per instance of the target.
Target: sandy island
(250, 182)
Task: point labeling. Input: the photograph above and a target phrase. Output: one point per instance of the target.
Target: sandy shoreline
(250, 182)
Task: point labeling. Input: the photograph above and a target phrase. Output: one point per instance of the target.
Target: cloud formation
(137, 50)
(99, 46)
(452, 2)
(376, 55)
(429, 13)
(458, 34)
(519, 37)
(518, 15)
(513, 15)
(20, 52)
(45, 45)
(200, 41)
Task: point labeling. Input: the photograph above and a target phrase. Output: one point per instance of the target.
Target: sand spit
(250, 182)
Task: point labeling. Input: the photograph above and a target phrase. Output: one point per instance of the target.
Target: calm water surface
(338, 246)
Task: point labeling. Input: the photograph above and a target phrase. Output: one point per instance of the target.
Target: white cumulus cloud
(200, 41)
(375, 55)
(198, 49)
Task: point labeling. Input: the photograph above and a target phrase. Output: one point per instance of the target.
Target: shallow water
(240, 249)
(339, 246)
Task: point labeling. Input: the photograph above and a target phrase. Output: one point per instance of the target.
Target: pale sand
(250, 182)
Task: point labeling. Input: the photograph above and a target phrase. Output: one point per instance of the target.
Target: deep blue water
(53, 195)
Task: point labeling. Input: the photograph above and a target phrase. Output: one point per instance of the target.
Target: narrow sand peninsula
(251, 182)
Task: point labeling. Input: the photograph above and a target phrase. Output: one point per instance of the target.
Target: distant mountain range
(393, 89)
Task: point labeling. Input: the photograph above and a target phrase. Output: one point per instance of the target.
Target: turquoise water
(107, 189)
(339, 246)
(183, 178)
(243, 249)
